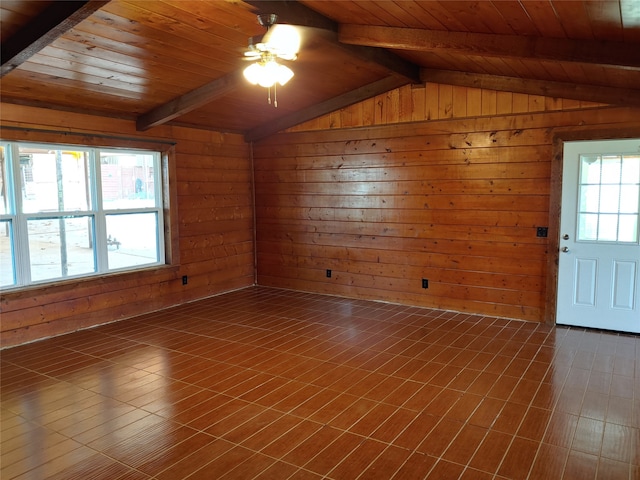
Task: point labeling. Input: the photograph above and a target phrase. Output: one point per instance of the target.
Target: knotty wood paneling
(450, 189)
(213, 220)
(432, 101)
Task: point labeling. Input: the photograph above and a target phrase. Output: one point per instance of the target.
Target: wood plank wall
(455, 200)
(214, 222)
(432, 101)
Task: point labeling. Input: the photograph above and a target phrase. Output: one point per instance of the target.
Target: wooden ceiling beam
(189, 101)
(588, 93)
(295, 13)
(328, 106)
(50, 24)
(604, 53)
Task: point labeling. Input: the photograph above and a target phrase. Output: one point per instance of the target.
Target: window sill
(165, 272)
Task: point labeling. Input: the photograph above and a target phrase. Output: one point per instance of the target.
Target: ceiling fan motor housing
(267, 19)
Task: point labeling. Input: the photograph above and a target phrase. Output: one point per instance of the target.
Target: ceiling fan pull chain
(275, 95)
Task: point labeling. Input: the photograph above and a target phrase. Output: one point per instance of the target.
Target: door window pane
(609, 198)
(132, 239)
(588, 227)
(589, 169)
(61, 247)
(627, 194)
(590, 199)
(611, 168)
(628, 229)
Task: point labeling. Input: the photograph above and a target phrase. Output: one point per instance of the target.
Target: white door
(598, 275)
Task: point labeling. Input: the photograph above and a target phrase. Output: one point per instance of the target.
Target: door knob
(565, 237)
(565, 249)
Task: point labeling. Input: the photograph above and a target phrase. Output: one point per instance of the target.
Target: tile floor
(271, 384)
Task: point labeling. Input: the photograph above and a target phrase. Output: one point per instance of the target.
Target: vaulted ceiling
(180, 61)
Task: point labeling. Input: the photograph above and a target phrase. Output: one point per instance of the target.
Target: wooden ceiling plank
(589, 93)
(514, 15)
(472, 15)
(155, 42)
(421, 14)
(441, 12)
(574, 19)
(543, 15)
(615, 54)
(606, 21)
(363, 93)
(189, 101)
(50, 24)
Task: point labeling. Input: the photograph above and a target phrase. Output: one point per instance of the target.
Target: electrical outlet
(425, 283)
(185, 279)
(542, 232)
(328, 273)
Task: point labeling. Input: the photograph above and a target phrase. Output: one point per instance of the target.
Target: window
(69, 211)
(609, 198)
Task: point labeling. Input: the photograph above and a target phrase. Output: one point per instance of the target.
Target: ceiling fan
(280, 42)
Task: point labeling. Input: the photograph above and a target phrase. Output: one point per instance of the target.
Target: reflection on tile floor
(272, 384)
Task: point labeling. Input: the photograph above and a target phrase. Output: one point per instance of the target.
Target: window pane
(611, 169)
(588, 227)
(7, 275)
(609, 198)
(589, 198)
(629, 198)
(590, 169)
(132, 239)
(631, 169)
(608, 228)
(4, 205)
(53, 180)
(127, 179)
(61, 247)
(628, 228)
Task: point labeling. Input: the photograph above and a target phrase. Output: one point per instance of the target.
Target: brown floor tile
(445, 469)
(440, 437)
(386, 464)
(534, 424)
(549, 462)
(489, 454)
(330, 456)
(518, 459)
(465, 444)
(358, 460)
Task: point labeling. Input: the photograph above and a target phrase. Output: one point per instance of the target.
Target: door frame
(559, 136)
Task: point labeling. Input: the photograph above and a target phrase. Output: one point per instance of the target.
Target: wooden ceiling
(180, 62)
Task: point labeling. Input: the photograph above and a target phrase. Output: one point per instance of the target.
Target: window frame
(164, 189)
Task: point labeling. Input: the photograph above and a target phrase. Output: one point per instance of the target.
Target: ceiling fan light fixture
(280, 42)
(267, 73)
